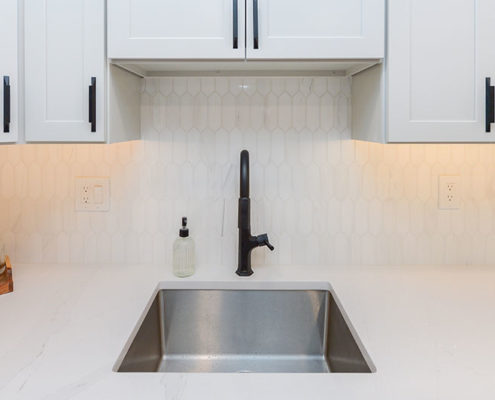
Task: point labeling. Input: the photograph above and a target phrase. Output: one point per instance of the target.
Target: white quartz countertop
(429, 331)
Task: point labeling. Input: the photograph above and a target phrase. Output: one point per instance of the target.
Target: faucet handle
(263, 241)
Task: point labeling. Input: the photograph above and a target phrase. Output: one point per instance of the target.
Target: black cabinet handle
(6, 104)
(490, 104)
(236, 25)
(255, 24)
(92, 104)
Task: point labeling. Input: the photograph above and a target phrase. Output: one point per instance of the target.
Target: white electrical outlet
(92, 194)
(449, 192)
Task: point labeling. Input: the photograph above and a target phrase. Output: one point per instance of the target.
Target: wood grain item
(6, 282)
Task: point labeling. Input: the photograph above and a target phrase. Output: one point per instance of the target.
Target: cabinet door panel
(169, 29)
(9, 124)
(64, 47)
(316, 29)
(438, 62)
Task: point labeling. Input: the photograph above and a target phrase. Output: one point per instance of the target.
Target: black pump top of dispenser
(184, 232)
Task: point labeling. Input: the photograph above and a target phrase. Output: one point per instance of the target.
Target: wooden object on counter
(6, 282)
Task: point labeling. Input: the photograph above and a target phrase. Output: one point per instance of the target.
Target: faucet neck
(244, 189)
(244, 215)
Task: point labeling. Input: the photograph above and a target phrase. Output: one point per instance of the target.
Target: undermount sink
(251, 327)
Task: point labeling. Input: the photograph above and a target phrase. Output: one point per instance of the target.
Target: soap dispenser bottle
(183, 262)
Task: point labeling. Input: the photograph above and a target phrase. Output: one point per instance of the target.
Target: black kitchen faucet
(247, 242)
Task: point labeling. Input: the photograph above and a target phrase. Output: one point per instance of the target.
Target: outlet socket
(449, 192)
(92, 194)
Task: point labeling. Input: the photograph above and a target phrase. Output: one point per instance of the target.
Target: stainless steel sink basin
(249, 328)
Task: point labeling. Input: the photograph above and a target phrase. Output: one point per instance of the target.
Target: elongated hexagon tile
(186, 111)
(193, 85)
(207, 85)
(299, 111)
(271, 112)
(229, 117)
(278, 86)
(164, 85)
(257, 111)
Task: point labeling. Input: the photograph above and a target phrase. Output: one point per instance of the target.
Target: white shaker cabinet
(8, 72)
(65, 70)
(315, 29)
(171, 29)
(433, 85)
(441, 53)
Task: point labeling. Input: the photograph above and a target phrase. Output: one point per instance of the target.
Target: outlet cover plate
(92, 193)
(449, 192)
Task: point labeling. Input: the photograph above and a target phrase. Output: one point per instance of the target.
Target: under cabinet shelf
(153, 68)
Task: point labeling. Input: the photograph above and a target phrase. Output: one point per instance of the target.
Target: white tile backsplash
(323, 198)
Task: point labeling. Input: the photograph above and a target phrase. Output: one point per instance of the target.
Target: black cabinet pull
(92, 104)
(255, 24)
(6, 104)
(236, 24)
(490, 104)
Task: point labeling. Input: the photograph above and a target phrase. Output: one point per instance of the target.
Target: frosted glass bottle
(183, 258)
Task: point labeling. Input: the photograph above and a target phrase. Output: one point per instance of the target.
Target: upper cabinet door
(315, 29)
(171, 29)
(65, 70)
(440, 54)
(9, 121)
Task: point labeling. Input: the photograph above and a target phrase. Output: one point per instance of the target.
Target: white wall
(323, 198)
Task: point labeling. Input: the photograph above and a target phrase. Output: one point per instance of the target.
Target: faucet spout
(244, 181)
(247, 242)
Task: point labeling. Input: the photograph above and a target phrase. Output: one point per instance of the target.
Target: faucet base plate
(244, 273)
